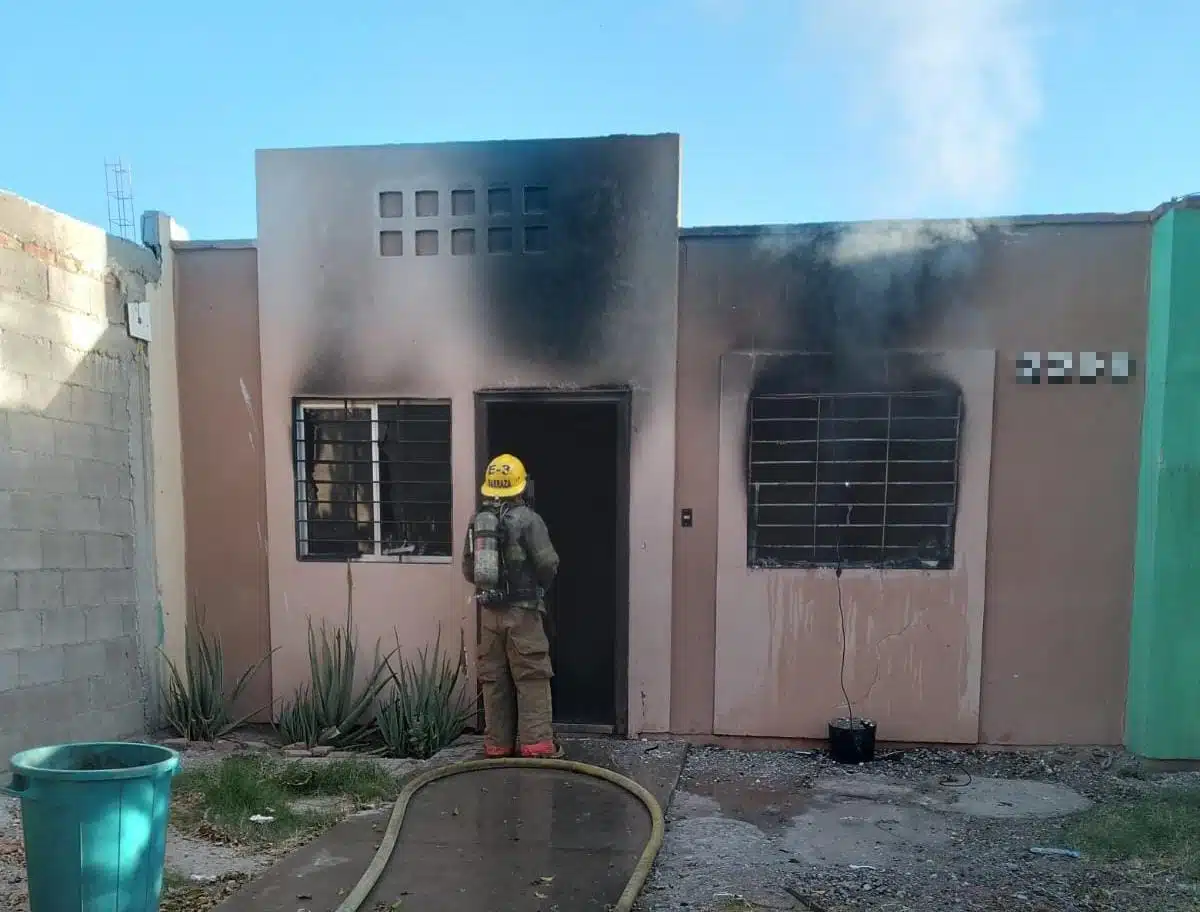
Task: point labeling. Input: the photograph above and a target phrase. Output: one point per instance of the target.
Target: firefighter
(510, 560)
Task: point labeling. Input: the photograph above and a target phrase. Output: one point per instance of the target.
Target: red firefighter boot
(542, 750)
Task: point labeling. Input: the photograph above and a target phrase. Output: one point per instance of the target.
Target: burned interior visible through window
(373, 479)
(853, 479)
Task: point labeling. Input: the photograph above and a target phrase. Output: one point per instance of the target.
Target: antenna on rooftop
(118, 182)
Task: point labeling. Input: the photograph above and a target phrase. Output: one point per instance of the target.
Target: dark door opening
(575, 449)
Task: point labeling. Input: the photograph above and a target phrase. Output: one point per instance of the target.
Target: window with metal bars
(853, 479)
(373, 480)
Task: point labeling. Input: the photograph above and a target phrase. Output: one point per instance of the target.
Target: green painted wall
(1163, 707)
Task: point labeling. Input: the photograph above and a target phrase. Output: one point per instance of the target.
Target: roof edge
(784, 228)
(1190, 201)
(1020, 221)
(1015, 221)
(446, 145)
(217, 244)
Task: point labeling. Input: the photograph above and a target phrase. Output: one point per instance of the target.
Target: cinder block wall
(77, 590)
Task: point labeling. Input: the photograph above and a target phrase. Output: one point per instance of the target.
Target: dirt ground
(926, 830)
(923, 830)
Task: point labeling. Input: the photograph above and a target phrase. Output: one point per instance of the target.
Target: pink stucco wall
(914, 638)
(1024, 641)
(1040, 656)
(337, 319)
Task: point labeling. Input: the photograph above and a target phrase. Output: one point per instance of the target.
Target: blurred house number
(1063, 367)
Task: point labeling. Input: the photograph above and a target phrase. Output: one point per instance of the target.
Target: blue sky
(790, 110)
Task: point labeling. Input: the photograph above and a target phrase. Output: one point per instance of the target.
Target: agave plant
(298, 721)
(329, 710)
(390, 722)
(426, 710)
(195, 702)
(345, 714)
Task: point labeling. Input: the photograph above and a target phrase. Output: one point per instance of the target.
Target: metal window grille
(373, 480)
(865, 479)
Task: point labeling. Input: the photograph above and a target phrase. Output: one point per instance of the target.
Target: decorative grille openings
(426, 243)
(537, 200)
(530, 233)
(426, 203)
(500, 201)
(391, 205)
(391, 243)
(462, 241)
(462, 203)
(500, 240)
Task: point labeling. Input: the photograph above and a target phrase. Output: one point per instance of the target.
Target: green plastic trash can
(95, 822)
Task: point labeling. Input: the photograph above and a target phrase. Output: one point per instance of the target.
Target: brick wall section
(73, 432)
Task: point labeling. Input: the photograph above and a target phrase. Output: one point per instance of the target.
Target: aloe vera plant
(298, 722)
(331, 709)
(426, 710)
(195, 703)
(345, 714)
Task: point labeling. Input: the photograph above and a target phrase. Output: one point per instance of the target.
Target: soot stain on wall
(550, 307)
(325, 372)
(333, 363)
(329, 368)
(551, 304)
(855, 289)
(853, 292)
(851, 297)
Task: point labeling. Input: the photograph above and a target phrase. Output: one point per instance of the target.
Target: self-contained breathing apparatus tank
(488, 548)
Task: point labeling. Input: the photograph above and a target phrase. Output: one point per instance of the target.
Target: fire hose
(387, 845)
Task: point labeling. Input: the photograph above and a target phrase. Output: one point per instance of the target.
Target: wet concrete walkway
(505, 839)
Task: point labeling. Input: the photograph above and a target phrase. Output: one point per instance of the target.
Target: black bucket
(852, 741)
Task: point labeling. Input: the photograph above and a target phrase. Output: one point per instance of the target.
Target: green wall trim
(1162, 718)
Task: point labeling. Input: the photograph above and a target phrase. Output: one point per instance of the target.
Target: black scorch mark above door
(551, 308)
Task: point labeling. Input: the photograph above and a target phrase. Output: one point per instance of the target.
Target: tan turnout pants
(515, 672)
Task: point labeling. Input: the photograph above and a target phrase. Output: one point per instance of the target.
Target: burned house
(777, 461)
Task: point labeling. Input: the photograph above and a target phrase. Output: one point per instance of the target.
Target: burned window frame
(815, 555)
(434, 511)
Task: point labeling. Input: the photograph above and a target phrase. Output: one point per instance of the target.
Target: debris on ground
(1048, 850)
(199, 895)
(928, 830)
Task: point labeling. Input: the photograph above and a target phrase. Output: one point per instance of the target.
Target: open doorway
(575, 447)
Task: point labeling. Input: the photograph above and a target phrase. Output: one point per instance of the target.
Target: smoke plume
(856, 290)
(955, 81)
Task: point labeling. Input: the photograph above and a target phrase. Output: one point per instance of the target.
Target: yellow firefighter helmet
(505, 477)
